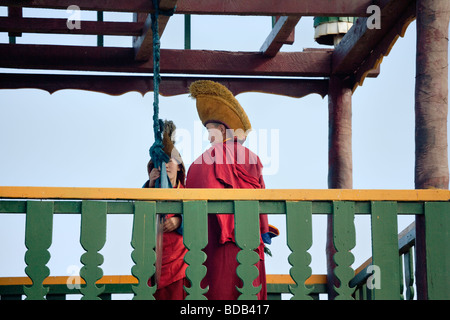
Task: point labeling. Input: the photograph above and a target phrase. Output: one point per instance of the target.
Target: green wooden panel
(344, 242)
(195, 217)
(385, 251)
(437, 239)
(247, 234)
(299, 240)
(38, 238)
(13, 206)
(92, 239)
(144, 242)
(226, 206)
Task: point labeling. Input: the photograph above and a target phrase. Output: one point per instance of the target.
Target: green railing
(41, 204)
(365, 281)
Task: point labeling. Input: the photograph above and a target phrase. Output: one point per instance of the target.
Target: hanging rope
(157, 154)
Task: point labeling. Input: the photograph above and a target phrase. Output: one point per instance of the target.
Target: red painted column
(431, 109)
(340, 165)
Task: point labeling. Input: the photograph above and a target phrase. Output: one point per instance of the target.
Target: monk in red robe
(173, 268)
(227, 164)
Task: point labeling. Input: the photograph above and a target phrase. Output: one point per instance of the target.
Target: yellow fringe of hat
(215, 103)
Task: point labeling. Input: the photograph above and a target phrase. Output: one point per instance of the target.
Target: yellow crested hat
(215, 103)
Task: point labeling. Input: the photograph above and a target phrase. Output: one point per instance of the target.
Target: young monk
(227, 164)
(173, 267)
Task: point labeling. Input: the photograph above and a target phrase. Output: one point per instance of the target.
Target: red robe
(227, 165)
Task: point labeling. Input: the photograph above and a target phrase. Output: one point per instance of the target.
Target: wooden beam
(59, 26)
(363, 48)
(279, 35)
(297, 64)
(14, 13)
(385, 45)
(143, 44)
(339, 8)
(170, 86)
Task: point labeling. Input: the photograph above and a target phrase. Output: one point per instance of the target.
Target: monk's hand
(171, 224)
(153, 176)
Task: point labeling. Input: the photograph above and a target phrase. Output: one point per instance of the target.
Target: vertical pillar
(431, 109)
(340, 167)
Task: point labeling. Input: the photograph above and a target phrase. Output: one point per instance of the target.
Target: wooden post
(431, 108)
(340, 167)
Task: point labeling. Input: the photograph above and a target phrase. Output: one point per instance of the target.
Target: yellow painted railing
(223, 194)
(61, 286)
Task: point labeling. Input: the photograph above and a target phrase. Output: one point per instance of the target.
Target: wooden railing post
(299, 240)
(385, 251)
(92, 239)
(437, 239)
(144, 242)
(246, 219)
(344, 242)
(195, 239)
(38, 238)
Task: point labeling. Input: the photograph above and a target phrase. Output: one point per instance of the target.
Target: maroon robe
(227, 165)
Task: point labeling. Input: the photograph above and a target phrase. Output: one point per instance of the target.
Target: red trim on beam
(170, 86)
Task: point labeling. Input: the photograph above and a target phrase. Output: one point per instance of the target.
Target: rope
(157, 154)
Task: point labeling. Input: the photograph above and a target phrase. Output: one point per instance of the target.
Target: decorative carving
(246, 220)
(344, 241)
(143, 255)
(38, 238)
(195, 217)
(92, 239)
(299, 240)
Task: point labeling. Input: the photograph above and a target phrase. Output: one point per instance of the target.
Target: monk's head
(218, 132)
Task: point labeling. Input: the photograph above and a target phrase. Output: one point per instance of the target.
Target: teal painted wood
(195, 238)
(247, 234)
(400, 270)
(38, 238)
(385, 250)
(344, 242)
(299, 240)
(409, 274)
(92, 239)
(144, 255)
(437, 239)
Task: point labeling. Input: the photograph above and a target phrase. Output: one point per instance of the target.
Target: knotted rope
(157, 154)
